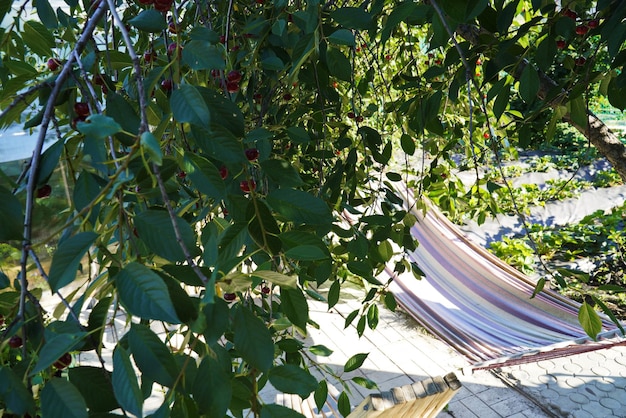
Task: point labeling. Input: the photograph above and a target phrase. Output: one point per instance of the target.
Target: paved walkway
(581, 386)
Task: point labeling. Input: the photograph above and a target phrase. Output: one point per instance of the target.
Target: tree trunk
(598, 134)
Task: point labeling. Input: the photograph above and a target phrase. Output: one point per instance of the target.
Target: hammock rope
(482, 307)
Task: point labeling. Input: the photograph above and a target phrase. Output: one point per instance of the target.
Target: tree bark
(598, 134)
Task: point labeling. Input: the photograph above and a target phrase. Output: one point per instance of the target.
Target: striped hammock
(482, 307)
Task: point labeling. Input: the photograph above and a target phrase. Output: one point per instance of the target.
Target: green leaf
(281, 172)
(217, 319)
(502, 101)
(204, 175)
(320, 350)
(352, 18)
(151, 145)
(201, 55)
(188, 106)
(306, 253)
(211, 388)
(390, 302)
(321, 394)
(38, 38)
(67, 258)
(279, 411)
(343, 404)
(46, 14)
(61, 399)
(263, 227)
(122, 112)
(289, 378)
(225, 114)
(14, 394)
(220, 144)
(342, 37)
(11, 216)
(333, 293)
(49, 162)
(300, 207)
(154, 227)
(55, 347)
(590, 320)
(372, 316)
(99, 126)
(145, 294)
(152, 356)
(408, 144)
(529, 84)
(295, 306)
(252, 339)
(279, 279)
(149, 20)
(366, 383)
(546, 51)
(355, 362)
(125, 385)
(95, 385)
(578, 111)
(338, 64)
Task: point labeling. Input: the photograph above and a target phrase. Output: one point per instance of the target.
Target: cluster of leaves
(226, 160)
(597, 239)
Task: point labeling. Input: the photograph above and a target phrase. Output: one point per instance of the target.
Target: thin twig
(177, 233)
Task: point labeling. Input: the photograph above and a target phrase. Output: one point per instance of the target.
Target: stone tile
(458, 410)
(477, 405)
(596, 409)
(512, 405)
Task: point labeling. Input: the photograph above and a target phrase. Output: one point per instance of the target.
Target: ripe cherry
(223, 172)
(81, 108)
(163, 5)
(232, 87)
(266, 290)
(173, 47)
(15, 341)
(53, 64)
(63, 361)
(230, 297)
(222, 39)
(247, 185)
(388, 57)
(234, 75)
(167, 84)
(570, 13)
(171, 27)
(486, 135)
(181, 175)
(149, 56)
(560, 44)
(351, 115)
(252, 154)
(257, 97)
(44, 191)
(580, 61)
(287, 96)
(359, 118)
(582, 29)
(438, 62)
(593, 23)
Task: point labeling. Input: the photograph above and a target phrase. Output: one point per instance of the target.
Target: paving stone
(547, 379)
(596, 357)
(581, 413)
(579, 398)
(459, 410)
(573, 368)
(574, 382)
(596, 409)
(550, 394)
(512, 405)
(612, 404)
(600, 371)
(605, 385)
(477, 405)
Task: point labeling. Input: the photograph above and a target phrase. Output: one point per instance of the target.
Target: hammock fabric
(482, 307)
